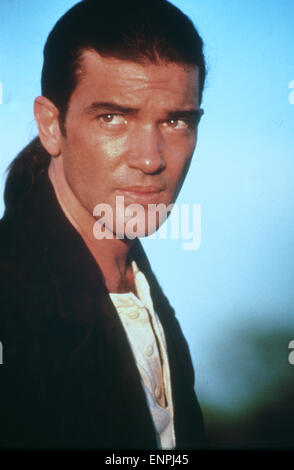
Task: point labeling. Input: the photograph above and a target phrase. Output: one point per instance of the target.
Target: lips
(141, 194)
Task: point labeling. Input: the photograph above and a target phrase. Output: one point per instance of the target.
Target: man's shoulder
(12, 266)
(24, 279)
(20, 220)
(16, 252)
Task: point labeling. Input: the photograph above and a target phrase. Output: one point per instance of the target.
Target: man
(93, 356)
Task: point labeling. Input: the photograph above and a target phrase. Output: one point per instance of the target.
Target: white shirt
(147, 340)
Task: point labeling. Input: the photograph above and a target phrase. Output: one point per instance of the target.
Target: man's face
(130, 131)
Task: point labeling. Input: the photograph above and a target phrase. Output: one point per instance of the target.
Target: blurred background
(234, 295)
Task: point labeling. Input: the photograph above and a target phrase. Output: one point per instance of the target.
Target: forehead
(103, 77)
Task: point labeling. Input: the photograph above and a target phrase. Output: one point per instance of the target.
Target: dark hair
(136, 30)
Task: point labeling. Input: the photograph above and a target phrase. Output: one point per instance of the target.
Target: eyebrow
(190, 114)
(100, 106)
(109, 106)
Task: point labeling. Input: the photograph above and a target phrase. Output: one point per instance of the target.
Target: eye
(177, 124)
(112, 120)
(188, 121)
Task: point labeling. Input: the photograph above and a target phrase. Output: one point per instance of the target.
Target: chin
(136, 225)
(136, 222)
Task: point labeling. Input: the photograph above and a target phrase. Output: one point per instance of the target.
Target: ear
(46, 115)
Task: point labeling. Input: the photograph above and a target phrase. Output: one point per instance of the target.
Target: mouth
(141, 194)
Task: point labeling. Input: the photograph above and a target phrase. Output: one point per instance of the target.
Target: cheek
(103, 151)
(180, 150)
(90, 153)
(179, 166)
(110, 148)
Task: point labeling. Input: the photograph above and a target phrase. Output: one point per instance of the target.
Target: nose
(145, 150)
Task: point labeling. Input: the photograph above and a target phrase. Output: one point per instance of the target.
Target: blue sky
(238, 286)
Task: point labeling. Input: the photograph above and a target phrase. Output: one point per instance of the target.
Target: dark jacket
(68, 378)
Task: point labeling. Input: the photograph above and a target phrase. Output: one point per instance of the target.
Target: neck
(112, 255)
